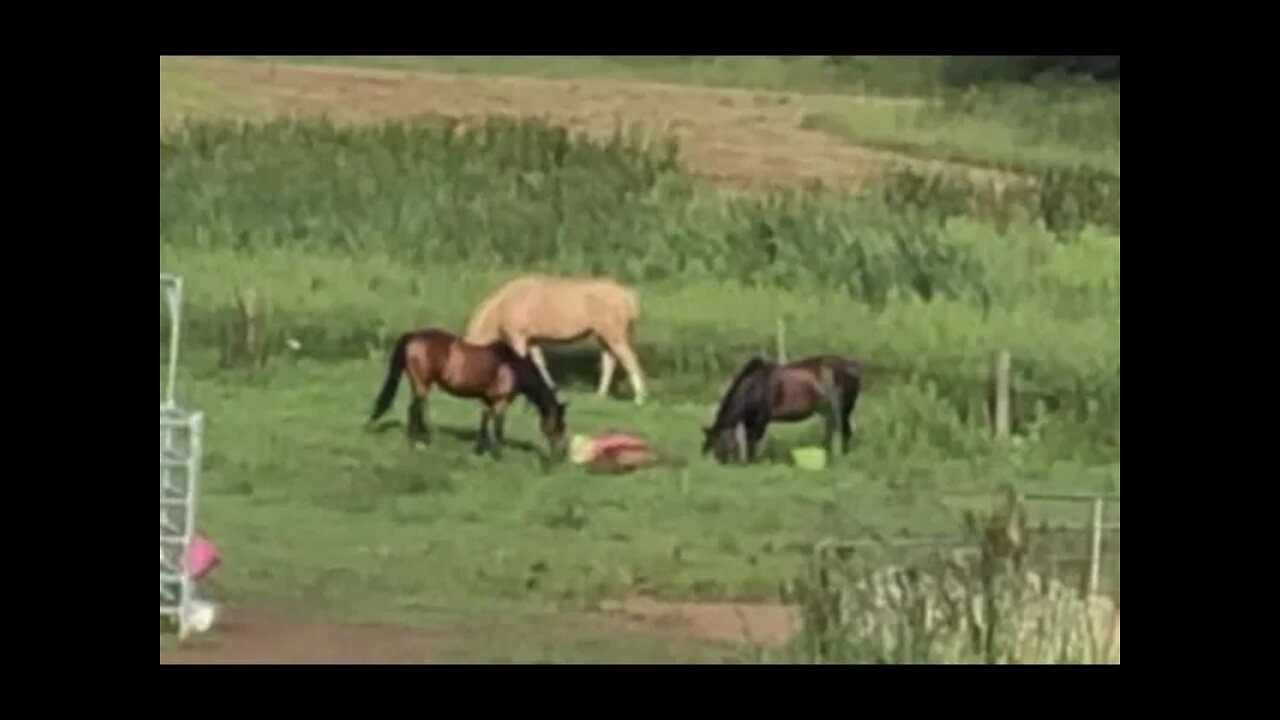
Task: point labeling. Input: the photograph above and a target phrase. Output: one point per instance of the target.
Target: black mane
(745, 390)
(529, 380)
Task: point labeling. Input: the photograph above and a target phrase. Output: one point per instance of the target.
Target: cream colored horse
(531, 310)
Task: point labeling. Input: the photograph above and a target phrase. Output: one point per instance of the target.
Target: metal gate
(181, 439)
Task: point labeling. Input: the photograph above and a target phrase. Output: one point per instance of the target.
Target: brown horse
(536, 309)
(493, 374)
(764, 392)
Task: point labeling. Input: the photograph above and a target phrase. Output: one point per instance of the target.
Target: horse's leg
(418, 430)
(622, 349)
(849, 401)
(755, 425)
(414, 419)
(740, 450)
(832, 405)
(499, 433)
(499, 412)
(482, 441)
(535, 352)
(608, 364)
(830, 422)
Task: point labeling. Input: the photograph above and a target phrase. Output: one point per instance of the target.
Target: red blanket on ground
(611, 445)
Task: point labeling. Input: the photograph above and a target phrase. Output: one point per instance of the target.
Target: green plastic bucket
(809, 458)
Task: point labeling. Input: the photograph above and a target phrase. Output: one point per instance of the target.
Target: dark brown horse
(493, 373)
(765, 392)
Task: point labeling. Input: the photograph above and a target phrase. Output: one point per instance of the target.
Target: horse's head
(553, 428)
(747, 392)
(708, 439)
(720, 443)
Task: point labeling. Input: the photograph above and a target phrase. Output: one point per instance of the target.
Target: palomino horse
(764, 392)
(493, 374)
(537, 309)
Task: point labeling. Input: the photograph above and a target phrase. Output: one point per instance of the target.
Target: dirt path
(250, 637)
(737, 623)
(632, 631)
(746, 138)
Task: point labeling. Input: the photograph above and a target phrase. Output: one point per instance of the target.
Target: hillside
(748, 138)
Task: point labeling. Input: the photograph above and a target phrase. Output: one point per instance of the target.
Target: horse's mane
(528, 378)
(728, 406)
(481, 328)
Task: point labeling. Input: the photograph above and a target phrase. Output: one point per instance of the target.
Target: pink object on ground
(202, 556)
(613, 444)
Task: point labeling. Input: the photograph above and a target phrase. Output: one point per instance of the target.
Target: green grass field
(318, 513)
(349, 236)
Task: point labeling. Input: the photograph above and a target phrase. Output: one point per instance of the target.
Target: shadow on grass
(466, 435)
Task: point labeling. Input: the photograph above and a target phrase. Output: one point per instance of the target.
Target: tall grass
(948, 609)
(975, 602)
(522, 193)
(350, 234)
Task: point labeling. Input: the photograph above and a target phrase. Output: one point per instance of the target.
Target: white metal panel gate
(181, 449)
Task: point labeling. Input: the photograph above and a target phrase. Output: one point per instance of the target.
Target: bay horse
(493, 374)
(764, 391)
(537, 309)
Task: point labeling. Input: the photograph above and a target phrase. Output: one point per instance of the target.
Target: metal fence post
(1095, 546)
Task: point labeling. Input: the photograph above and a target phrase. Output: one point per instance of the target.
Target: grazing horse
(536, 309)
(493, 374)
(764, 392)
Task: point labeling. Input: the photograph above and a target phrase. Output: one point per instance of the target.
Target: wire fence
(951, 598)
(1083, 554)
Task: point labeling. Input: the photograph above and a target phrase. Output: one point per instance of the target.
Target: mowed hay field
(419, 191)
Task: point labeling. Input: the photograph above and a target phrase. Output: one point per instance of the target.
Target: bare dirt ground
(738, 623)
(253, 637)
(746, 138)
(245, 637)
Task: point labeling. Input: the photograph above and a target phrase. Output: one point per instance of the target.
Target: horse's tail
(395, 367)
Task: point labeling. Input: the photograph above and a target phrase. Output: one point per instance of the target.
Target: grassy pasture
(317, 514)
(349, 235)
(382, 228)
